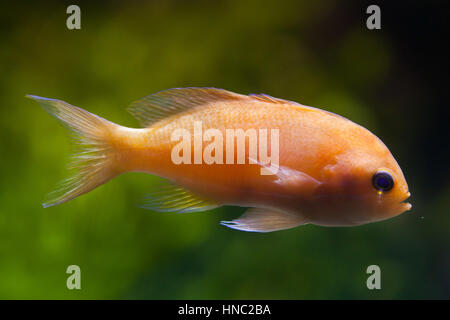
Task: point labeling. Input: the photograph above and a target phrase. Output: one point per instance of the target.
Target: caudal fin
(93, 162)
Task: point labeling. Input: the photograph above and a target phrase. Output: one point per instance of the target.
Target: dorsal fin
(266, 98)
(173, 101)
(169, 102)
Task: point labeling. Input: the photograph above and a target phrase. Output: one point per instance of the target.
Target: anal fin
(265, 220)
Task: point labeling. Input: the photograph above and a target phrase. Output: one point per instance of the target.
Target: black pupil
(383, 181)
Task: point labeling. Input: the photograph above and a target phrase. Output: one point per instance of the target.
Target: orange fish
(325, 170)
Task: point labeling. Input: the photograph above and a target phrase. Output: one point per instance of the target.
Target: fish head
(366, 183)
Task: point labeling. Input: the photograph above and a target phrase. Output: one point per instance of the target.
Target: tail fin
(93, 163)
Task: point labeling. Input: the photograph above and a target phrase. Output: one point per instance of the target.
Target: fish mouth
(406, 206)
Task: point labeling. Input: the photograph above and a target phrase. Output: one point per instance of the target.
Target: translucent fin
(267, 98)
(264, 220)
(166, 103)
(171, 198)
(290, 178)
(93, 162)
(173, 101)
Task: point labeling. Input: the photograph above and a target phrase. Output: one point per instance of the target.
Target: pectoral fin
(265, 220)
(290, 179)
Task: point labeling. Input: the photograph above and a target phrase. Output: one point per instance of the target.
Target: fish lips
(405, 206)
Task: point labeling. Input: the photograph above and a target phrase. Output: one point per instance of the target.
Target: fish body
(325, 164)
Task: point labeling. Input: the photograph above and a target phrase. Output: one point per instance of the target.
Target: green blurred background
(394, 81)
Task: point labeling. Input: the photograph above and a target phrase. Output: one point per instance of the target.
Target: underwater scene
(276, 150)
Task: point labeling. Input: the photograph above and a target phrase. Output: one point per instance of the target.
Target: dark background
(393, 81)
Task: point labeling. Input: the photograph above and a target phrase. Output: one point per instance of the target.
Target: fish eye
(382, 181)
